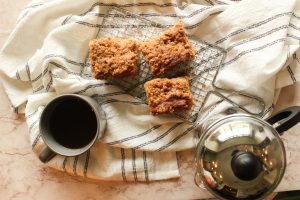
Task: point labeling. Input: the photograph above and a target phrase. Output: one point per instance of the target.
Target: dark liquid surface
(73, 123)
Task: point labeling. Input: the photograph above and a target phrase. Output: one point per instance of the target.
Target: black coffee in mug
(73, 123)
(70, 125)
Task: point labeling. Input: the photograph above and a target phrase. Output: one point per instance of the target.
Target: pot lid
(240, 157)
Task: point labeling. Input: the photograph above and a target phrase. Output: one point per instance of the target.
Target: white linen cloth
(46, 52)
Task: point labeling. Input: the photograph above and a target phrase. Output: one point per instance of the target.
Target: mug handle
(286, 119)
(46, 155)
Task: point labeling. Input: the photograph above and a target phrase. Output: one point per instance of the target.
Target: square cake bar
(163, 53)
(168, 95)
(113, 58)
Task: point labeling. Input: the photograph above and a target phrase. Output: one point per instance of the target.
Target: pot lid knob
(246, 166)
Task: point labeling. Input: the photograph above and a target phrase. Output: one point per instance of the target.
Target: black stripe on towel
(153, 14)
(177, 138)
(75, 165)
(135, 5)
(123, 165)
(64, 163)
(135, 136)
(119, 101)
(295, 57)
(65, 59)
(134, 165)
(86, 164)
(257, 37)
(33, 6)
(297, 17)
(33, 124)
(128, 5)
(28, 71)
(293, 36)
(133, 25)
(108, 94)
(64, 68)
(29, 9)
(112, 25)
(175, 15)
(40, 75)
(36, 120)
(38, 89)
(49, 84)
(18, 75)
(191, 26)
(253, 50)
(66, 20)
(253, 26)
(221, 2)
(36, 140)
(158, 138)
(294, 27)
(292, 74)
(145, 166)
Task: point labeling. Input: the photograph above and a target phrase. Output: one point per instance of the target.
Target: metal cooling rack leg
(219, 90)
(259, 100)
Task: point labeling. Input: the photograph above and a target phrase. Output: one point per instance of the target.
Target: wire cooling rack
(202, 70)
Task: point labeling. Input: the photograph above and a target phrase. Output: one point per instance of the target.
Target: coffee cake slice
(164, 53)
(166, 95)
(113, 58)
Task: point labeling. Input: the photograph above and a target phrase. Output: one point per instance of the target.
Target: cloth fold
(46, 55)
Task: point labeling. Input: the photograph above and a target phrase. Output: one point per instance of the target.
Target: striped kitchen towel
(45, 56)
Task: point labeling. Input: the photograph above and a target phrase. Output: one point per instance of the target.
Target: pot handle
(286, 119)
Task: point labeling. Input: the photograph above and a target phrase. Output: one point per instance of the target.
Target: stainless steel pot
(241, 156)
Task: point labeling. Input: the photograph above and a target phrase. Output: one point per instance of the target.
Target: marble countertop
(24, 177)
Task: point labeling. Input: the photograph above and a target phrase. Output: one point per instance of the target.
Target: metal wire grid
(202, 70)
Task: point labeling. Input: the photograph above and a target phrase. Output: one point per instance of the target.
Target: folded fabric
(46, 55)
